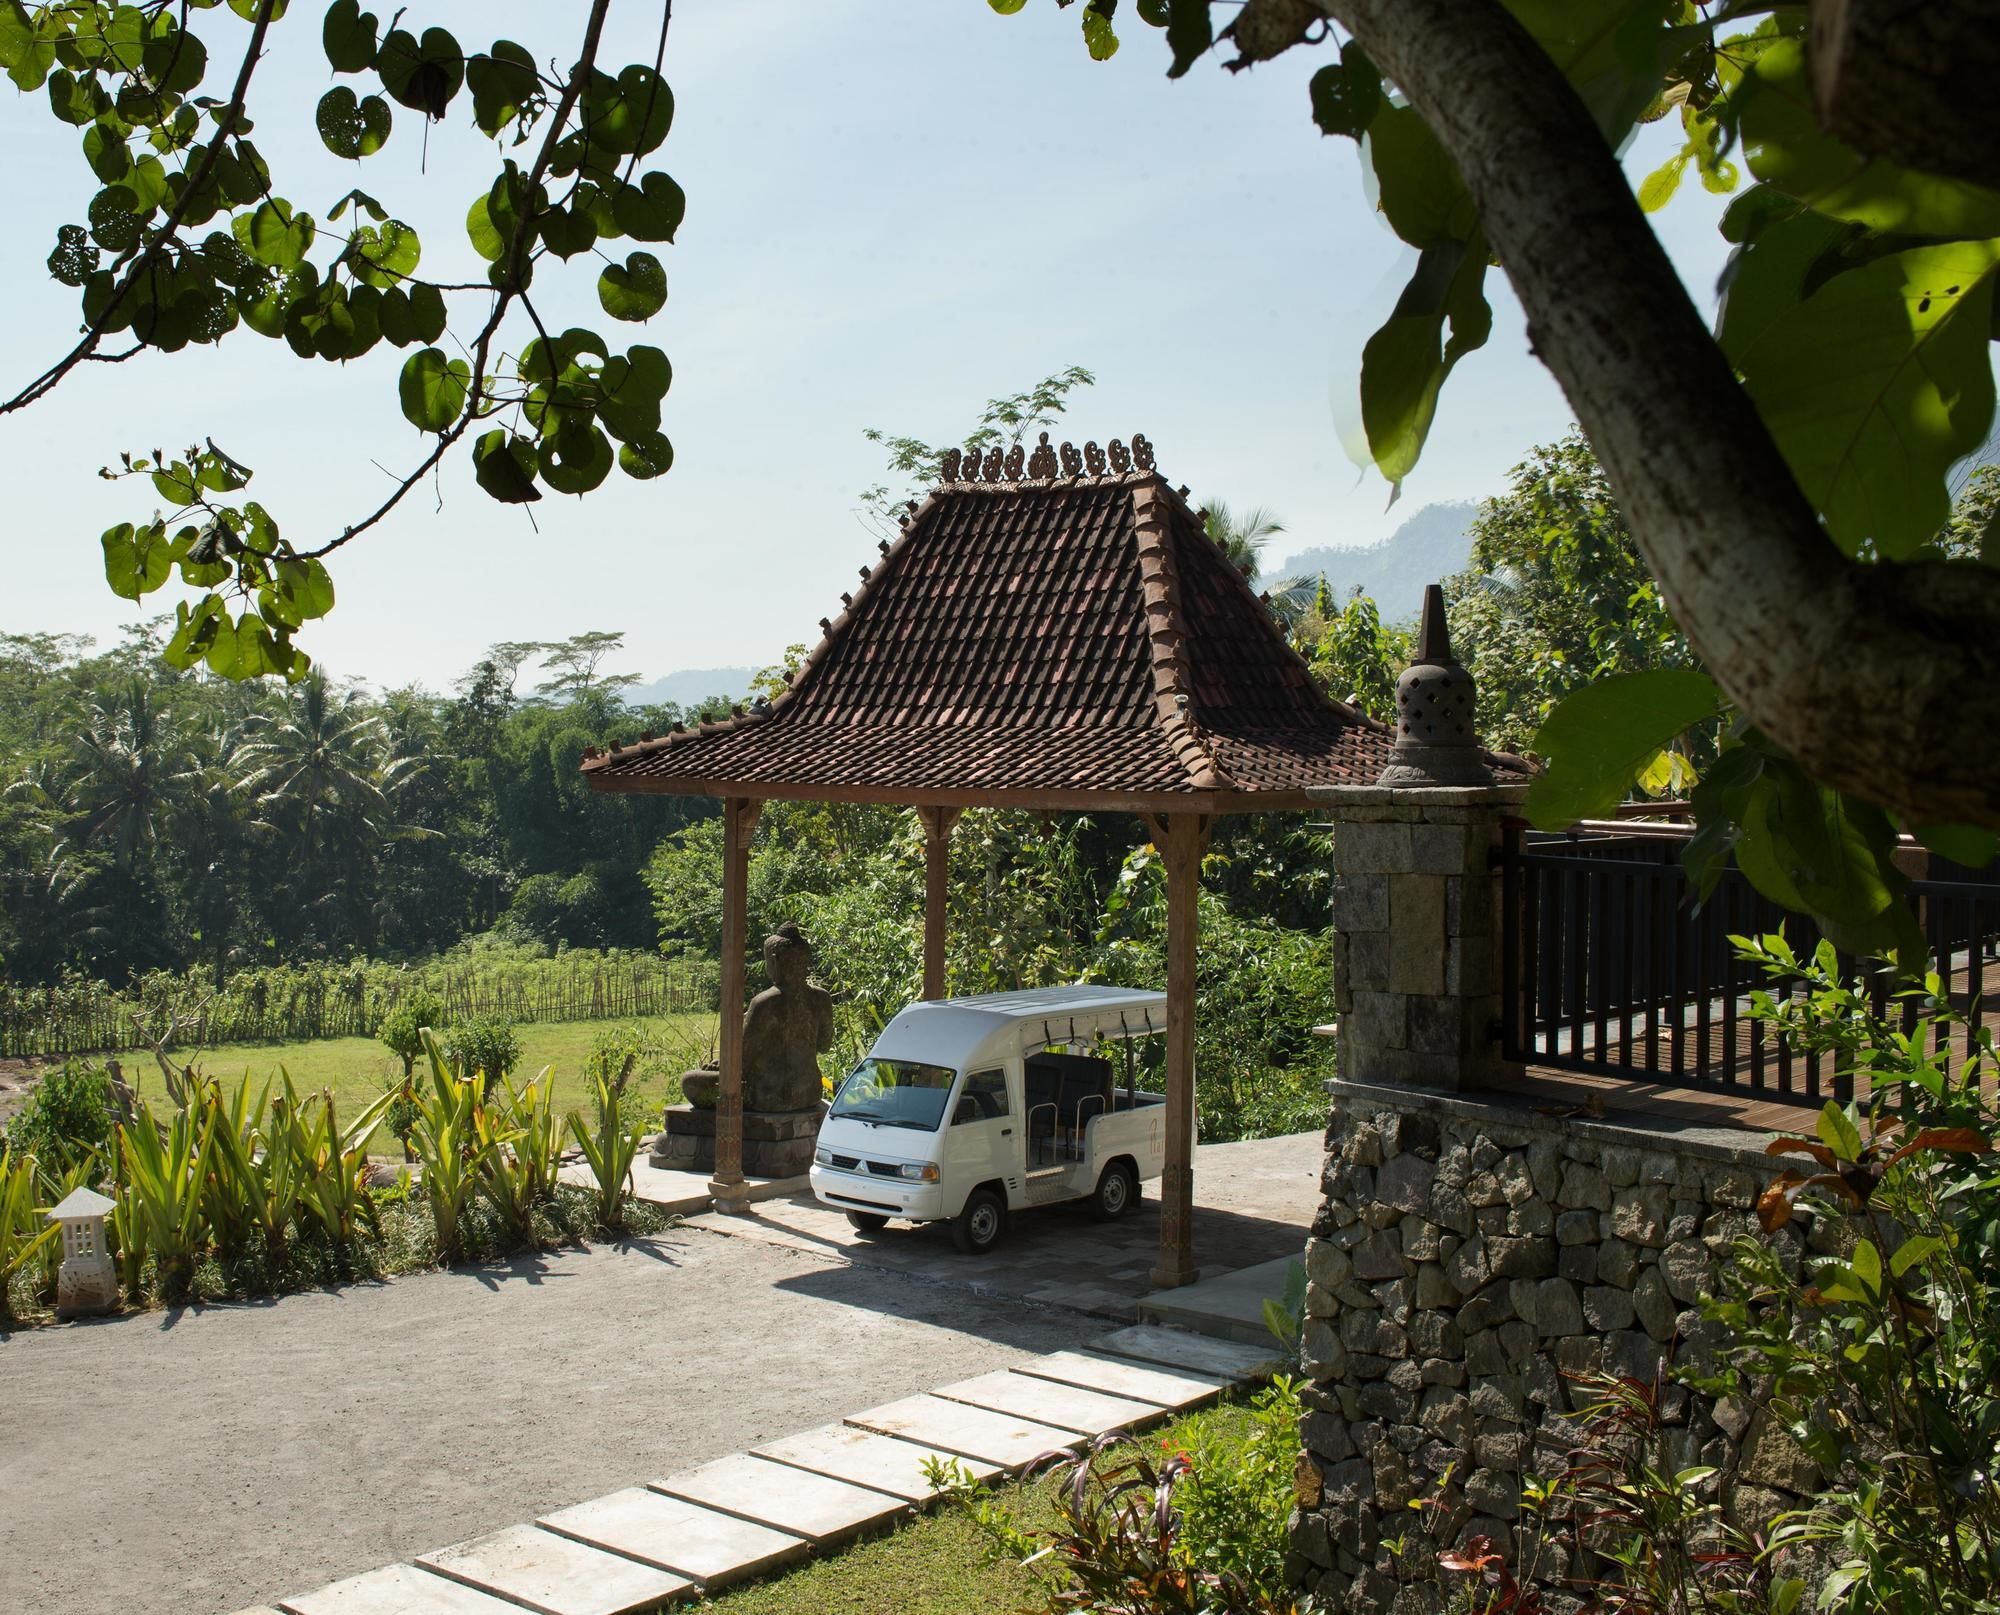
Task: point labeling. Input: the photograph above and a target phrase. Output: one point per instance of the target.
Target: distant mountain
(688, 688)
(1430, 546)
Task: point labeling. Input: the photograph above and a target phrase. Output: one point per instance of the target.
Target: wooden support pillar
(1180, 839)
(739, 823)
(938, 822)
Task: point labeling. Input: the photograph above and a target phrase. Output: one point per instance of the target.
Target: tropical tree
(321, 776)
(1003, 423)
(1784, 475)
(1241, 538)
(168, 146)
(1556, 595)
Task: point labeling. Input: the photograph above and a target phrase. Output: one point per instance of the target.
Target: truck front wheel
(868, 1223)
(977, 1227)
(1117, 1192)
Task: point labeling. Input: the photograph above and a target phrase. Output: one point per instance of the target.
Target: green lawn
(938, 1563)
(358, 1068)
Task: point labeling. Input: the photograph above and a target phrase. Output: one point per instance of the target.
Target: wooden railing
(1607, 967)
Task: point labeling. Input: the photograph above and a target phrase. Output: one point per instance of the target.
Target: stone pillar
(937, 824)
(1416, 916)
(739, 823)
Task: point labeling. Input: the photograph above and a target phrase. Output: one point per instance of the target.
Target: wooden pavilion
(1052, 631)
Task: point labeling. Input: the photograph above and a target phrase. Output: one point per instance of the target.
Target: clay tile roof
(1046, 633)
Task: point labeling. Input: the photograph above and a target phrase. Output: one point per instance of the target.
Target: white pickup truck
(969, 1108)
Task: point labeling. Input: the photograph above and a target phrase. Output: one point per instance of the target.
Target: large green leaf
(1782, 138)
(1421, 193)
(502, 83)
(634, 290)
(348, 36)
(1876, 383)
(353, 128)
(1616, 55)
(630, 113)
(505, 466)
(652, 210)
(1405, 363)
(1346, 94)
(433, 389)
(274, 235)
(1598, 738)
(424, 74)
(136, 560)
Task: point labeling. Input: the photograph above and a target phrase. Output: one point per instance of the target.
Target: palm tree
(322, 776)
(1241, 538)
(130, 771)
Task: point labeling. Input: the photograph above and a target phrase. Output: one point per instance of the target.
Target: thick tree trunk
(1883, 680)
(1911, 80)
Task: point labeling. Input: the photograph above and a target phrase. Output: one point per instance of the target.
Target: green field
(357, 1069)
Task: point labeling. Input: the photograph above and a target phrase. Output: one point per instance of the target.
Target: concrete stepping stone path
(1175, 1389)
(1068, 1407)
(554, 1575)
(822, 1510)
(1150, 1343)
(397, 1590)
(882, 1463)
(737, 1517)
(708, 1548)
(994, 1438)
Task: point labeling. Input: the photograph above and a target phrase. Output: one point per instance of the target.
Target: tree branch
(510, 288)
(1883, 680)
(225, 126)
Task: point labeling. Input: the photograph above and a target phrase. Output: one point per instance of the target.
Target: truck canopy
(967, 1032)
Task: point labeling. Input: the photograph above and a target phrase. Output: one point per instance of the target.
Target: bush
(484, 1046)
(1882, 1359)
(1147, 1537)
(1237, 1496)
(403, 1027)
(67, 1120)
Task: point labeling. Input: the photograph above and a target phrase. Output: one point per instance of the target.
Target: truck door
(982, 1142)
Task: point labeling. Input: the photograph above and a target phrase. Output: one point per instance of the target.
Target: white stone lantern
(87, 1281)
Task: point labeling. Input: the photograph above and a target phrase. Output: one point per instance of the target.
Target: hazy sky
(896, 208)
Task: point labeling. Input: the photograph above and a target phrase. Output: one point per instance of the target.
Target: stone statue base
(776, 1143)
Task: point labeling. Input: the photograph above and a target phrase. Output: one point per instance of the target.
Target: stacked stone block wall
(1468, 1256)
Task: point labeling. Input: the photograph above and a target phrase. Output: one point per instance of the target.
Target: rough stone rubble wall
(1466, 1256)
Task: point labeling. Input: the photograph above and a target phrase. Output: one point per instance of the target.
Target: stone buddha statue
(788, 1026)
(785, 1030)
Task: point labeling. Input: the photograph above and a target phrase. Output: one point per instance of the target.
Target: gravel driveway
(206, 1460)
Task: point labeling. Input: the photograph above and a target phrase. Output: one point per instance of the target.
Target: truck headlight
(822, 1157)
(920, 1171)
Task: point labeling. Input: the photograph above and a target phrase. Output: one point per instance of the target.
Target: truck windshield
(896, 1093)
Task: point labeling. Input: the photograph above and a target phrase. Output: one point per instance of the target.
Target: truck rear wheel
(868, 1222)
(978, 1226)
(1117, 1192)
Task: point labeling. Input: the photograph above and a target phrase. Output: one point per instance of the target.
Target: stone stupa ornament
(1436, 743)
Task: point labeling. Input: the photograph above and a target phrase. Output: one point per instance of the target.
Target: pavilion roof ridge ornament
(1437, 740)
(1046, 463)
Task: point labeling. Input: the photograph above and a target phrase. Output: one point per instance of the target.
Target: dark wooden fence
(1607, 967)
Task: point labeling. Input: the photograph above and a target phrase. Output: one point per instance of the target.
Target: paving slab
(553, 1574)
(1229, 1306)
(867, 1459)
(1175, 1389)
(1068, 1407)
(1150, 1343)
(817, 1507)
(706, 1547)
(397, 1590)
(683, 1193)
(995, 1438)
